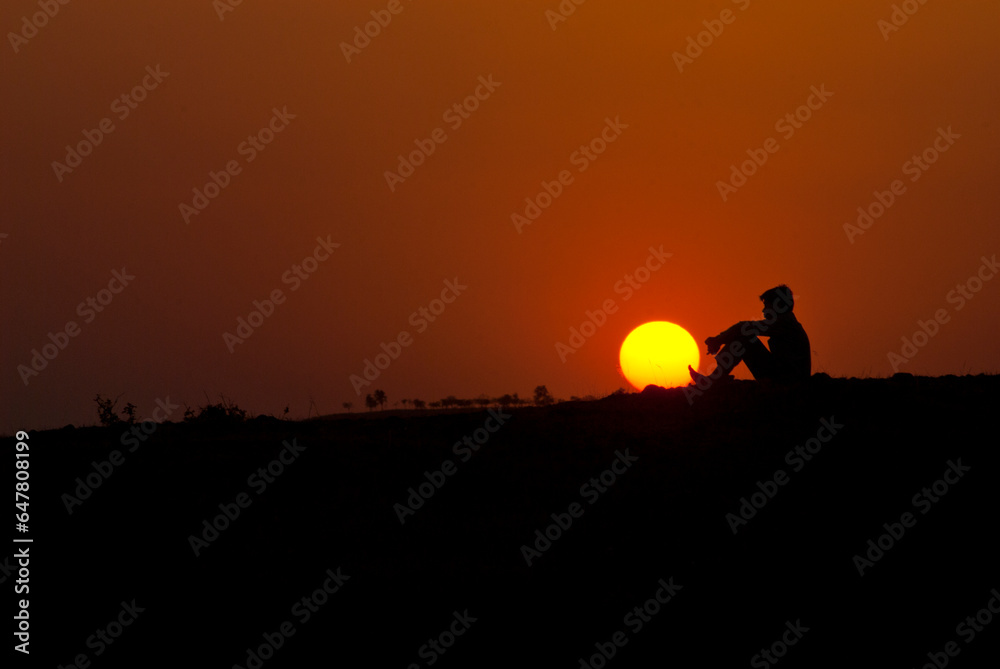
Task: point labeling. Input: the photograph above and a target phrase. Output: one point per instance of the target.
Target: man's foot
(695, 376)
(715, 376)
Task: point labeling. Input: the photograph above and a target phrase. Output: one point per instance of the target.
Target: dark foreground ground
(897, 448)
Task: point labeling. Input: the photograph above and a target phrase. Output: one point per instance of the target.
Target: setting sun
(658, 353)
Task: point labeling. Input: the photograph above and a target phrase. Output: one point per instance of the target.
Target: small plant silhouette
(106, 410)
(129, 413)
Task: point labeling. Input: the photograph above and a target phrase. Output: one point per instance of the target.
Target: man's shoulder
(792, 325)
(787, 322)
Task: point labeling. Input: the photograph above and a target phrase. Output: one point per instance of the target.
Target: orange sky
(342, 126)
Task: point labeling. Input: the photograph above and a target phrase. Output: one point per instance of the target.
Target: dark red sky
(323, 175)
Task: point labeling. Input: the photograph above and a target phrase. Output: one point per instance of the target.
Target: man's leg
(749, 350)
(758, 359)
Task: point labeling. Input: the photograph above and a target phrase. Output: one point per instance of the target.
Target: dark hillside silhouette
(669, 498)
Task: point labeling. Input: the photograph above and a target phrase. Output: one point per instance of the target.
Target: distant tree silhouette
(542, 396)
(435, 405)
(347, 405)
(106, 410)
(452, 401)
(419, 404)
(370, 402)
(504, 400)
(380, 398)
(483, 401)
(405, 402)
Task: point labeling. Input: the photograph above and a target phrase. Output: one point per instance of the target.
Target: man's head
(778, 299)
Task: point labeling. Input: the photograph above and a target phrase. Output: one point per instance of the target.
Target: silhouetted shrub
(224, 412)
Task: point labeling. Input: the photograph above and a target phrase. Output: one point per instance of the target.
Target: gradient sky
(323, 175)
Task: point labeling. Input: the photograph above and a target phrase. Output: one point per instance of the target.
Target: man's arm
(740, 330)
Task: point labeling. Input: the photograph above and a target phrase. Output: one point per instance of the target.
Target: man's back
(789, 345)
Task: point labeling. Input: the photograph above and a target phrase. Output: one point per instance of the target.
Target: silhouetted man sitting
(788, 359)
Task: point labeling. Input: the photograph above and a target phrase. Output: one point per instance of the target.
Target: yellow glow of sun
(658, 353)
